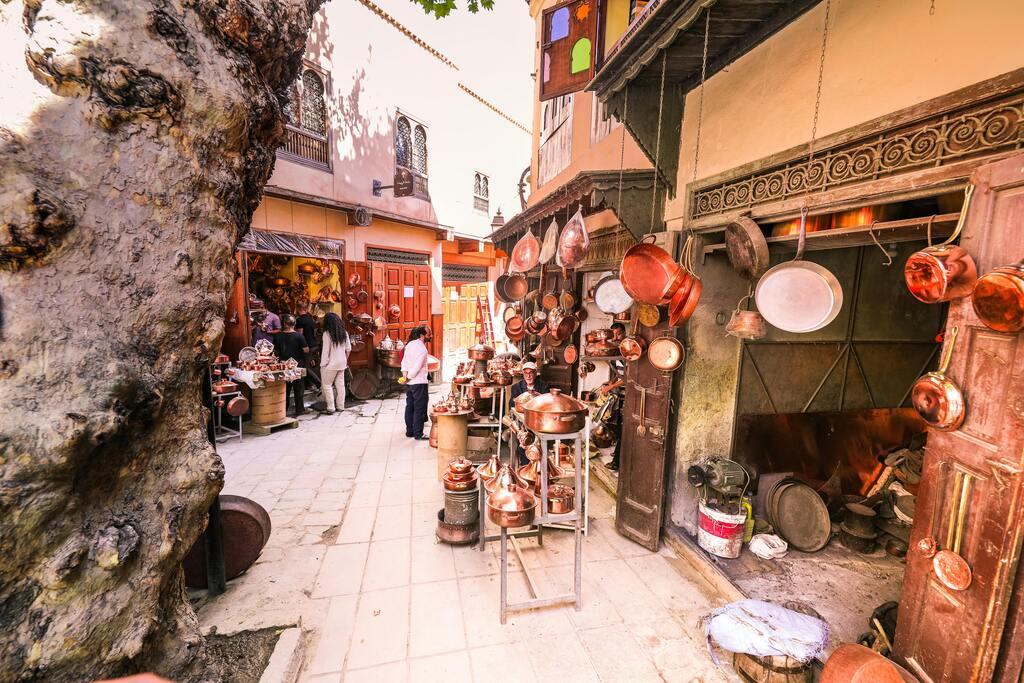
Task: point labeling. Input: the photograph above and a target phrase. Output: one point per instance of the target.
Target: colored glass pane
(580, 59)
(559, 25)
(582, 11)
(547, 67)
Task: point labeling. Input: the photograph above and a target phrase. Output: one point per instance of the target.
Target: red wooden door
(641, 493)
(363, 358)
(947, 635)
(407, 287)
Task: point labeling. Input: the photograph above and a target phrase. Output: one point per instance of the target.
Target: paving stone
(387, 565)
(435, 619)
(450, 668)
(358, 525)
(341, 572)
(334, 636)
(381, 628)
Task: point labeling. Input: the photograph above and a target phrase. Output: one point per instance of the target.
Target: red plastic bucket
(720, 533)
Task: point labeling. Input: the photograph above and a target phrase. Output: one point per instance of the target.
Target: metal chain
(931, 10)
(657, 144)
(817, 97)
(703, 77)
(622, 143)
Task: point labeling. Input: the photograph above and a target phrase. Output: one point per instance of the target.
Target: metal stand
(221, 430)
(580, 441)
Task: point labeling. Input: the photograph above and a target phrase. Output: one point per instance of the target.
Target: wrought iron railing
(305, 145)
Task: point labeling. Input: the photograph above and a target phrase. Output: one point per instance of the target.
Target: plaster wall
(882, 56)
(605, 154)
(375, 71)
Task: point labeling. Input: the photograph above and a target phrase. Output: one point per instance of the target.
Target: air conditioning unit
(360, 216)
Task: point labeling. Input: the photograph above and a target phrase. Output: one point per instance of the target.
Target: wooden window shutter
(569, 50)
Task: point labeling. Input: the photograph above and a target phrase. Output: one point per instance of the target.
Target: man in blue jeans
(414, 370)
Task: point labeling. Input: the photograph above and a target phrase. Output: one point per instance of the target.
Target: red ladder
(484, 329)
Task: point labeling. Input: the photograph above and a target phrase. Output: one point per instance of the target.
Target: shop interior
(831, 409)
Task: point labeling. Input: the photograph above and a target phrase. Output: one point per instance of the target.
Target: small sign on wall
(408, 293)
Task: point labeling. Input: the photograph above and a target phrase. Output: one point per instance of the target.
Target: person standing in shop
(288, 345)
(613, 390)
(334, 354)
(306, 324)
(414, 372)
(531, 381)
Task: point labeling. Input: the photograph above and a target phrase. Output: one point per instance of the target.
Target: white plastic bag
(768, 546)
(764, 629)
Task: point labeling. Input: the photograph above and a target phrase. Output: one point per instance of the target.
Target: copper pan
(747, 248)
(238, 406)
(561, 325)
(998, 298)
(610, 295)
(944, 272)
(665, 353)
(937, 398)
(525, 254)
(649, 274)
(516, 286)
(632, 347)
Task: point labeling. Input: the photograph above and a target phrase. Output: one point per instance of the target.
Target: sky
(494, 50)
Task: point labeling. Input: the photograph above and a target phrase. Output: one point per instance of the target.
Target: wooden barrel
(452, 435)
(268, 403)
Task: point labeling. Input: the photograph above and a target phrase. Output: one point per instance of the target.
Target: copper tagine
(530, 472)
(489, 469)
(460, 466)
(505, 478)
(480, 352)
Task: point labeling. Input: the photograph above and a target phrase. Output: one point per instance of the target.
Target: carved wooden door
(943, 634)
(642, 456)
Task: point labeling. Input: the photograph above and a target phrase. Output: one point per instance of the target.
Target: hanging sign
(403, 182)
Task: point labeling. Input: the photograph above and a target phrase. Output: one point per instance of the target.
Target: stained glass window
(559, 24)
(314, 109)
(580, 60)
(419, 150)
(403, 143)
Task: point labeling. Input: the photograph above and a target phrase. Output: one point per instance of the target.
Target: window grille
(403, 143)
(481, 200)
(419, 150)
(406, 258)
(314, 109)
(451, 272)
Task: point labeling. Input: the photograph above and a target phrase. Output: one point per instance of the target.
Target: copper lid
(555, 402)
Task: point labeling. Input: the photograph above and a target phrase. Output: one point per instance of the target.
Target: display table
(452, 436)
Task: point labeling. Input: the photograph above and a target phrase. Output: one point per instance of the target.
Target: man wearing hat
(531, 381)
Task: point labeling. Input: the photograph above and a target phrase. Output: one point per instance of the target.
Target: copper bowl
(462, 379)
(512, 507)
(561, 499)
(460, 465)
(489, 469)
(452, 485)
(599, 335)
(480, 352)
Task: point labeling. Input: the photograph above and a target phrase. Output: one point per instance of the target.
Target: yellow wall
(616, 22)
(282, 215)
(883, 55)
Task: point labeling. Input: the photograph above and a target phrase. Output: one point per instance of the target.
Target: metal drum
(462, 507)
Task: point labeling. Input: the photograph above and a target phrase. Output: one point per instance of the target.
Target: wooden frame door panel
(946, 635)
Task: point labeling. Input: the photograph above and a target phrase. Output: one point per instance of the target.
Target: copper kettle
(746, 324)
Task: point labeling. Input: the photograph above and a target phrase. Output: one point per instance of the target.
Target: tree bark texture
(135, 140)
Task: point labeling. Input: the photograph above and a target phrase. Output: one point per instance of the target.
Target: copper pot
(502, 378)
(512, 507)
(937, 398)
(603, 435)
(461, 466)
(561, 499)
(561, 325)
(665, 353)
(746, 324)
(649, 274)
(632, 347)
(452, 484)
(555, 413)
(522, 399)
(480, 352)
(944, 272)
(603, 349)
(998, 298)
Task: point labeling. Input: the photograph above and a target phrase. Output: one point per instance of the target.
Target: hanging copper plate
(526, 253)
(952, 570)
(246, 529)
(570, 355)
(648, 315)
(665, 353)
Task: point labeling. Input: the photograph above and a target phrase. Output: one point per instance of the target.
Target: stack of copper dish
(461, 475)
(857, 530)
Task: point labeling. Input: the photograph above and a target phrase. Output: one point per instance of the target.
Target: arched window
(314, 108)
(480, 193)
(419, 150)
(476, 184)
(484, 192)
(403, 143)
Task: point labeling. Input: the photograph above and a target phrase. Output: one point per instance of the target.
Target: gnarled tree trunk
(135, 139)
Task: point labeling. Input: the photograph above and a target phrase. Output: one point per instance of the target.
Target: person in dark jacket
(291, 344)
(306, 324)
(531, 381)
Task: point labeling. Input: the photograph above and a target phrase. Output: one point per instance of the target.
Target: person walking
(414, 371)
(288, 345)
(334, 353)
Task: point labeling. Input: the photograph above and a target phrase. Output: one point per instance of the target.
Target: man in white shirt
(414, 369)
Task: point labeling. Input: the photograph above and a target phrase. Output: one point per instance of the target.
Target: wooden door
(408, 287)
(947, 635)
(642, 458)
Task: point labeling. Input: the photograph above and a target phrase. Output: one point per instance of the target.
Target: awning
(673, 30)
(267, 242)
(594, 191)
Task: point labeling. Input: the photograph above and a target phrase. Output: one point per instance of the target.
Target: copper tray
(800, 517)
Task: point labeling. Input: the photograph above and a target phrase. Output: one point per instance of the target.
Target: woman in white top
(333, 361)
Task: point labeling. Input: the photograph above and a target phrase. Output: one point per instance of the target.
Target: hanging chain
(657, 144)
(931, 10)
(700, 102)
(622, 143)
(817, 97)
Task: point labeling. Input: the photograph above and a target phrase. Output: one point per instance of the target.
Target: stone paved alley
(353, 561)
